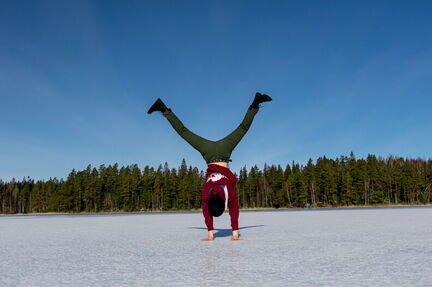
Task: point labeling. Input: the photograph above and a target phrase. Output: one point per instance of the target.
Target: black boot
(158, 106)
(259, 98)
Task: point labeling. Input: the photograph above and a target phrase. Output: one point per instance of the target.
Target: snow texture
(337, 247)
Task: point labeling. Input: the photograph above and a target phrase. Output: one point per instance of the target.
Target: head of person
(216, 205)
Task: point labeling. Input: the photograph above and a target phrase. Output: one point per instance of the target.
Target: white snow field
(335, 247)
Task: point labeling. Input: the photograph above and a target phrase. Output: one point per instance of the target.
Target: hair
(216, 205)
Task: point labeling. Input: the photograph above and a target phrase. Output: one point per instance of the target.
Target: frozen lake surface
(344, 247)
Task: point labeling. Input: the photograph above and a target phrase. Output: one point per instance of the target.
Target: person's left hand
(235, 236)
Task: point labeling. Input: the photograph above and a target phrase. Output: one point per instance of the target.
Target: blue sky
(77, 77)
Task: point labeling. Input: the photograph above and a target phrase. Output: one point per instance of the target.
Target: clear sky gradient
(77, 77)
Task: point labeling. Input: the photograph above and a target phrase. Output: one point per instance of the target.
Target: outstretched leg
(194, 140)
(197, 142)
(231, 141)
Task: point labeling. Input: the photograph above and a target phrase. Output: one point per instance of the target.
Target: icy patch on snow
(355, 247)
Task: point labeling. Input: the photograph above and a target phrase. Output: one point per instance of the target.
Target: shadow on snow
(225, 232)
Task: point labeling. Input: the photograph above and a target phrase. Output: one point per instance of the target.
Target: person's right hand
(210, 236)
(207, 239)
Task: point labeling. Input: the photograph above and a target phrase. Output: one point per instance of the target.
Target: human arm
(234, 211)
(234, 214)
(208, 219)
(235, 236)
(210, 236)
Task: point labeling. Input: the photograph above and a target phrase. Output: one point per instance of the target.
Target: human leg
(231, 141)
(211, 151)
(197, 142)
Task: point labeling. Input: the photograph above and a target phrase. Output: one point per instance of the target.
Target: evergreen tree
(310, 178)
(328, 182)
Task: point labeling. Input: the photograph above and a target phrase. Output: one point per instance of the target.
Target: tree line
(345, 181)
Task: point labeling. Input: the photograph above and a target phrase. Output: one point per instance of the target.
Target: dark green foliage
(340, 182)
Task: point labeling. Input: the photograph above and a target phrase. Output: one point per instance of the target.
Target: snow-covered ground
(354, 247)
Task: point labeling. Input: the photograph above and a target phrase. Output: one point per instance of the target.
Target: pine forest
(345, 181)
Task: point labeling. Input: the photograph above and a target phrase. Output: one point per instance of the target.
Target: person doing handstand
(219, 192)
